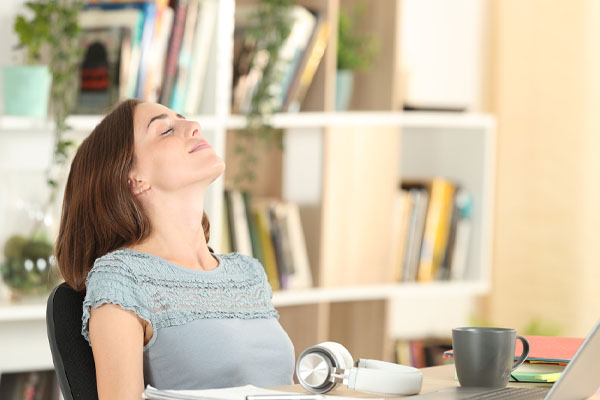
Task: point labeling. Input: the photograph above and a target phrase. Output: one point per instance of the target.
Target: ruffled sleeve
(112, 281)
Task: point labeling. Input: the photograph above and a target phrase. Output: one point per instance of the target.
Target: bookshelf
(342, 169)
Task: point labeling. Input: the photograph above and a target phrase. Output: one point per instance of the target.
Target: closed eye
(166, 132)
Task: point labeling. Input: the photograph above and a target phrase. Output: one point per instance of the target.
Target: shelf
(332, 155)
(376, 292)
(20, 312)
(78, 123)
(35, 309)
(447, 120)
(407, 119)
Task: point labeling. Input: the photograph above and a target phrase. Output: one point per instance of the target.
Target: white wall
(443, 52)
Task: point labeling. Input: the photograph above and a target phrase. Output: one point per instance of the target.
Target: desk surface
(434, 378)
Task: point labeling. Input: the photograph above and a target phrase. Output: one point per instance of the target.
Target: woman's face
(170, 152)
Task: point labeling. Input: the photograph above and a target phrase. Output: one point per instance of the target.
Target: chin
(218, 172)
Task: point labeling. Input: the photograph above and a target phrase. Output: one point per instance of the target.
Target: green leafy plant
(538, 327)
(355, 51)
(50, 35)
(270, 29)
(27, 265)
(54, 31)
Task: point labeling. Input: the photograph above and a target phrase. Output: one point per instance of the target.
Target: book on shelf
(290, 53)
(432, 228)
(118, 33)
(203, 36)
(144, 41)
(163, 26)
(38, 385)
(437, 226)
(165, 49)
(458, 250)
(295, 64)
(226, 242)
(418, 201)
(100, 68)
(187, 84)
(270, 231)
(401, 221)
(175, 38)
(248, 60)
(184, 59)
(238, 223)
(308, 65)
(269, 261)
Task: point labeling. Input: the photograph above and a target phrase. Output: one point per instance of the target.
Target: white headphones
(321, 367)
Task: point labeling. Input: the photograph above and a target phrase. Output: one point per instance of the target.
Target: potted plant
(27, 86)
(355, 51)
(53, 34)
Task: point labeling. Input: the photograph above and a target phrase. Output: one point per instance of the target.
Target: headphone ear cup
(341, 353)
(313, 368)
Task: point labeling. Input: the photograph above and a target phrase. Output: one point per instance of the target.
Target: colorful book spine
(437, 226)
(184, 60)
(270, 262)
(173, 52)
(306, 72)
(257, 251)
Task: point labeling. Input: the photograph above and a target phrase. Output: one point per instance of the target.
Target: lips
(199, 146)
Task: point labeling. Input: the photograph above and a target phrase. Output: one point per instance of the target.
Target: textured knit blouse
(211, 329)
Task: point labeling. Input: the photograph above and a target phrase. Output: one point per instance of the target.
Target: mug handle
(524, 354)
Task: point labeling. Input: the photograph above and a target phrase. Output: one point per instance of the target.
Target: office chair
(71, 354)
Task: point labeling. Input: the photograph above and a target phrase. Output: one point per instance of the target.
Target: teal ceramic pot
(26, 90)
(344, 85)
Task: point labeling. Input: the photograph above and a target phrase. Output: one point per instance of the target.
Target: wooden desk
(434, 378)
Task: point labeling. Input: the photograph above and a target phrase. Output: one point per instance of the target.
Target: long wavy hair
(99, 212)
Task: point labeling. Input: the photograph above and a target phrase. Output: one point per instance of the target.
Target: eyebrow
(162, 116)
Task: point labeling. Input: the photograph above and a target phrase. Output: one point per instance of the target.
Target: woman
(160, 307)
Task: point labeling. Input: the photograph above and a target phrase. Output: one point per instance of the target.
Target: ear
(137, 185)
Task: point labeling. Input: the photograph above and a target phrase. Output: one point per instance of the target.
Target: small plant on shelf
(52, 34)
(355, 51)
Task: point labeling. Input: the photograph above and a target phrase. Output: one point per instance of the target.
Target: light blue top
(211, 329)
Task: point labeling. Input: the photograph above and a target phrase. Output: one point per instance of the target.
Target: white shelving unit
(458, 145)
(440, 304)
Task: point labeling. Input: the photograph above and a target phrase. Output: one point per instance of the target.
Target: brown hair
(99, 212)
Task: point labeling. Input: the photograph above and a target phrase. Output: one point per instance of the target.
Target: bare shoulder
(115, 319)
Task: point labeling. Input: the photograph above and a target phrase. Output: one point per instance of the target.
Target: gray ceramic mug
(485, 356)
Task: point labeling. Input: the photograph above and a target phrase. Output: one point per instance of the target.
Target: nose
(194, 129)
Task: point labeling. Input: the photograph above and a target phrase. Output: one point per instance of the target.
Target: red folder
(545, 349)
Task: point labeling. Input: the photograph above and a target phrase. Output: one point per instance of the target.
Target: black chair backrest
(71, 354)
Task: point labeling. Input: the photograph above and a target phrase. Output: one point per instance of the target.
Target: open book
(234, 393)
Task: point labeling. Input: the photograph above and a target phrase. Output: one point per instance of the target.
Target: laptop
(579, 380)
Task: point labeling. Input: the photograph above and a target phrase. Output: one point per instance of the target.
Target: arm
(117, 338)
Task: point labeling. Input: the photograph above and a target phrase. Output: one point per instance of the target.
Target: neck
(177, 234)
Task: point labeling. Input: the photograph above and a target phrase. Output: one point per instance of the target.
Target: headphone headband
(371, 376)
(380, 377)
